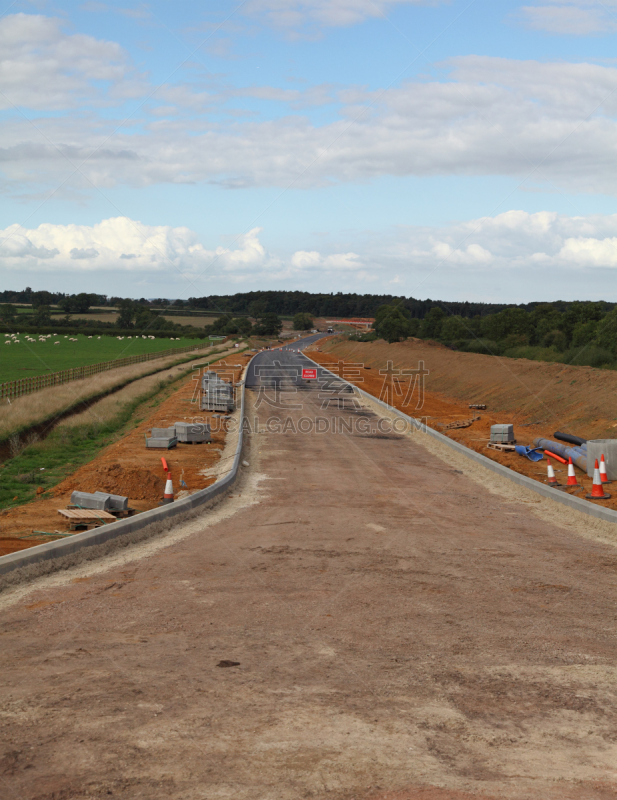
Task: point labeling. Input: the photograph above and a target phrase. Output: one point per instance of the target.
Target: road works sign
(309, 374)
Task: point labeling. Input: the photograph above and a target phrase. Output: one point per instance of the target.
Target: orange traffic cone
(603, 475)
(168, 496)
(597, 492)
(551, 479)
(571, 475)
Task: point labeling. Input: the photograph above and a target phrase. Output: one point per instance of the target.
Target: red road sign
(309, 374)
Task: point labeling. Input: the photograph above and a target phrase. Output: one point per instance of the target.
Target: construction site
(225, 602)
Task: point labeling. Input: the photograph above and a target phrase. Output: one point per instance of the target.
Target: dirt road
(360, 620)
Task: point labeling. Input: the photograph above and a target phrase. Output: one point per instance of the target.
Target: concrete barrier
(522, 480)
(72, 544)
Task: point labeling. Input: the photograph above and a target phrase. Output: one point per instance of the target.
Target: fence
(12, 389)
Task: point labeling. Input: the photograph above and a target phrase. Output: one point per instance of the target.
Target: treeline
(282, 303)
(332, 305)
(582, 333)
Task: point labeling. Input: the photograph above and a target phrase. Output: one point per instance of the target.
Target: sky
(444, 149)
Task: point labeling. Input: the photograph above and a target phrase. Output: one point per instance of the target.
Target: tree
(42, 299)
(455, 327)
(77, 303)
(127, 312)
(243, 325)
(393, 324)
(302, 322)
(7, 313)
(42, 316)
(432, 323)
(268, 325)
(607, 332)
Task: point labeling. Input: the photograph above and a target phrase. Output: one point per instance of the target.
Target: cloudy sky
(452, 149)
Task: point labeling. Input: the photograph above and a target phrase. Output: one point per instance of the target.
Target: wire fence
(23, 386)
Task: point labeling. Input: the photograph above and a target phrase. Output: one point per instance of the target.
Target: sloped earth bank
(538, 398)
(397, 632)
(127, 468)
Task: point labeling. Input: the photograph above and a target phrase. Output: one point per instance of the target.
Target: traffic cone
(168, 496)
(551, 479)
(597, 492)
(571, 475)
(603, 475)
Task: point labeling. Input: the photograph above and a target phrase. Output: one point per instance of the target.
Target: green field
(27, 359)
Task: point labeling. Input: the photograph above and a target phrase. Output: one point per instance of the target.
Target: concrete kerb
(61, 550)
(576, 503)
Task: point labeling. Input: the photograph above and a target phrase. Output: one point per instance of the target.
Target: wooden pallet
(119, 513)
(503, 448)
(85, 518)
(461, 423)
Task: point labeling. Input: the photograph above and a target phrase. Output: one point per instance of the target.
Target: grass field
(27, 359)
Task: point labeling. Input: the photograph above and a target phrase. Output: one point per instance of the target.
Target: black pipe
(568, 437)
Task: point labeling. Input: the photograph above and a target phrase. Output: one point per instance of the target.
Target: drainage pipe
(577, 454)
(568, 437)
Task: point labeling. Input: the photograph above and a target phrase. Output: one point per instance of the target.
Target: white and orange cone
(168, 496)
(571, 475)
(597, 491)
(603, 475)
(550, 473)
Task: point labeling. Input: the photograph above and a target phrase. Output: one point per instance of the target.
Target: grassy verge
(76, 441)
(44, 406)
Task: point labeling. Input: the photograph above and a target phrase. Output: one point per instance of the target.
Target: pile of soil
(129, 481)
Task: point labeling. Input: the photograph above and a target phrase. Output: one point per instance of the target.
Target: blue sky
(453, 150)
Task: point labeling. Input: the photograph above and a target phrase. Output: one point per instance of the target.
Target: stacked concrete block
(216, 394)
(116, 501)
(193, 432)
(502, 434)
(162, 438)
(98, 501)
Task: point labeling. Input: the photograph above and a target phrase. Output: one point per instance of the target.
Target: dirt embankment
(538, 398)
(127, 468)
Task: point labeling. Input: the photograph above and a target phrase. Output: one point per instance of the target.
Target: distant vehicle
(330, 330)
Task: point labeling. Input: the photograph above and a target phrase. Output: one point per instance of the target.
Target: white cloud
(552, 122)
(514, 240)
(295, 13)
(590, 252)
(124, 244)
(302, 258)
(572, 17)
(42, 67)
(524, 256)
(509, 240)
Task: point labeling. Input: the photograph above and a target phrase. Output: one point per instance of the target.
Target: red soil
(127, 468)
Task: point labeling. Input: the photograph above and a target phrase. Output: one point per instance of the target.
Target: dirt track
(402, 633)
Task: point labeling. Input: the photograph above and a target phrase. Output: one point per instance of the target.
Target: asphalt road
(360, 621)
(282, 366)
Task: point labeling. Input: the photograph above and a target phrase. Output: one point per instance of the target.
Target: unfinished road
(359, 620)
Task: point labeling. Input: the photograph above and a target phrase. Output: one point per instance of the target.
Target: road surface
(359, 620)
